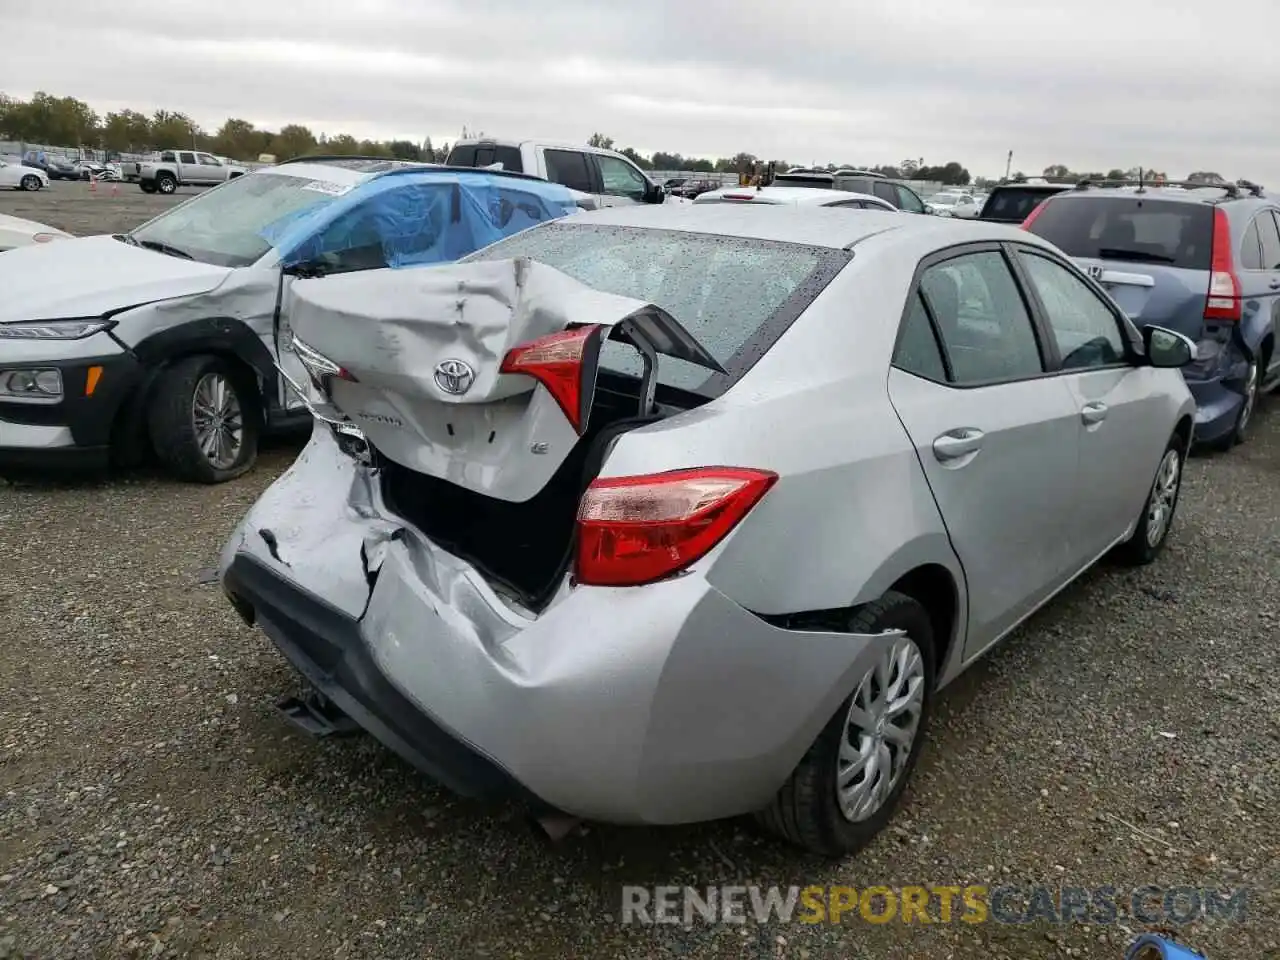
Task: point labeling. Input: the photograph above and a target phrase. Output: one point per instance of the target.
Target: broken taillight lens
(564, 363)
(318, 366)
(635, 530)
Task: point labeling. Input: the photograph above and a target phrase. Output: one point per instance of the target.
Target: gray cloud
(1092, 84)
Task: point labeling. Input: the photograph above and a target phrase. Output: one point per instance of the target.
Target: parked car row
(67, 168)
(586, 514)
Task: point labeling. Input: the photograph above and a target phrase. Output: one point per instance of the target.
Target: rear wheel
(166, 183)
(203, 420)
(848, 784)
(31, 183)
(1157, 513)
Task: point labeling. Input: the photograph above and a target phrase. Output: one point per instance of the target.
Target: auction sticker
(325, 186)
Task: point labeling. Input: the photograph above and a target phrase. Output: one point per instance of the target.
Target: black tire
(166, 183)
(806, 811)
(31, 183)
(1139, 550)
(171, 420)
(148, 186)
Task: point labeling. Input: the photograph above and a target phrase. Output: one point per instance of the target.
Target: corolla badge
(454, 376)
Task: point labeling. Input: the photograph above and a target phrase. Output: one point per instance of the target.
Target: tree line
(69, 122)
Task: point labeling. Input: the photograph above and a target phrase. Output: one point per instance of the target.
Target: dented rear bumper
(659, 704)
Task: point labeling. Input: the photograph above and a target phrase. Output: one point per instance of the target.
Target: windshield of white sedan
(735, 296)
(225, 225)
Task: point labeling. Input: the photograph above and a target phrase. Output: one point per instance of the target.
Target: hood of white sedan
(89, 276)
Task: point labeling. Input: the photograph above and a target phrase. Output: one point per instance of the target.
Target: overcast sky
(1089, 83)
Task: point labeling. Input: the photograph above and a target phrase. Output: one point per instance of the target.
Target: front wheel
(1157, 513)
(848, 784)
(203, 420)
(31, 183)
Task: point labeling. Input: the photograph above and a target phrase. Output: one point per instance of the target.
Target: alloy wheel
(1164, 496)
(880, 730)
(218, 420)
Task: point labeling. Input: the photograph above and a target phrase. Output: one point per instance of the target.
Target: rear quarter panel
(851, 512)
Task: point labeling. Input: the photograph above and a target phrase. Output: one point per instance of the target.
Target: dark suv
(855, 181)
(1013, 202)
(1203, 260)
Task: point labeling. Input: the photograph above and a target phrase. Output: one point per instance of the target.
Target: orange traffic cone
(93, 183)
(115, 189)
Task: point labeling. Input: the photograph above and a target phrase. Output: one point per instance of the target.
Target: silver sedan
(665, 514)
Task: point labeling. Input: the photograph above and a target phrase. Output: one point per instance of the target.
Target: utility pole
(1008, 165)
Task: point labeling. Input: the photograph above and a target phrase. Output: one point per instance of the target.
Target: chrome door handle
(1092, 413)
(955, 444)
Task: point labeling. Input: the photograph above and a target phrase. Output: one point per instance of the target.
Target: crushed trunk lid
(429, 364)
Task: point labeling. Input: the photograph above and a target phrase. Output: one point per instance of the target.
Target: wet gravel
(153, 804)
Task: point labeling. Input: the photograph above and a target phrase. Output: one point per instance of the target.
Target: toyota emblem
(454, 376)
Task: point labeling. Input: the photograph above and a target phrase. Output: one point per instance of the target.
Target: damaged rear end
(450, 565)
(475, 394)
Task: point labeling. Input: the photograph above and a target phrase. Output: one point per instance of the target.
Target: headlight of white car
(53, 329)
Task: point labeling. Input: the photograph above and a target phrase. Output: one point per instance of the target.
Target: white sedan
(947, 204)
(796, 196)
(19, 177)
(16, 232)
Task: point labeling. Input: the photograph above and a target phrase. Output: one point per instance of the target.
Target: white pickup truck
(183, 168)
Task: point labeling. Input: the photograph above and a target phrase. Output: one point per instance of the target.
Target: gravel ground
(152, 804)
(71, 206)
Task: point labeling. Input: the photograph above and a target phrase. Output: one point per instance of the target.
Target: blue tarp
(417, 217)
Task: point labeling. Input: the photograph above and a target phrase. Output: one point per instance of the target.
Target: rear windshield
(1013, 204)
(735, 296)
(1170, 232)
(805, 180)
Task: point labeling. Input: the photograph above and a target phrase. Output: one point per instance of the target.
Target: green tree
(126, 130)
(601, 141)
(293, 140)
(171, 131)
(405, 150)
(641, 162)
(1115, 173)
(240, 140)
(428, 151)
(1057, 171)
(342, 145)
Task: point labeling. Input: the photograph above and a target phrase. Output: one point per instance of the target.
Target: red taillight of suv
(1039, 209)
(1223, 303)
(565, 364)
(635, 530)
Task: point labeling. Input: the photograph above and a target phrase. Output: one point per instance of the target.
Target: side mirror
(1167, 348)
(656, 193)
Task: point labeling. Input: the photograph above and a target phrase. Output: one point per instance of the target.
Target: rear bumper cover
(662, 704)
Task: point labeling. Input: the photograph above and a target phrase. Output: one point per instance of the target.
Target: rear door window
(187, 158)
(1129, 228)
(463, 156)
(1270, 241)
(569, 168)
(907, 200)
(886, 192)
(980, 315)
(918, 351)
(1251, 246)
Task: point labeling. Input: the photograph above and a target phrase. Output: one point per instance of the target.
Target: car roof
(808, 225)
(1208, 194)
(789, 195)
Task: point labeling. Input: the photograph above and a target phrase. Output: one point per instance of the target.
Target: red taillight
(1223, 302)
(1026, 224)
(565, 364)
(635, 530)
